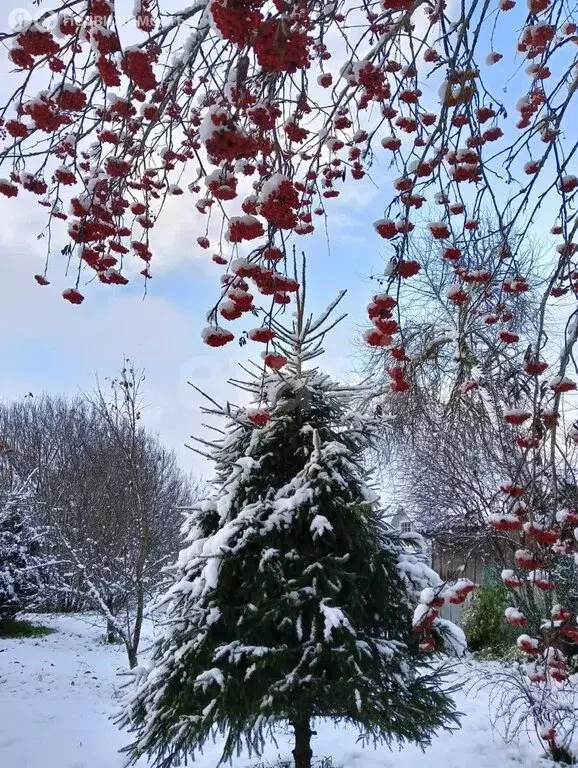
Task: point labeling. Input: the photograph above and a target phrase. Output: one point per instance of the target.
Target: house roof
(398, 516)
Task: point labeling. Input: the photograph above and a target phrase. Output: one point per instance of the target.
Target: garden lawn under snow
(57, 694)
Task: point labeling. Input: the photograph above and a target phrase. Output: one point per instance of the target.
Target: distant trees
(108, 491)
(449, 441)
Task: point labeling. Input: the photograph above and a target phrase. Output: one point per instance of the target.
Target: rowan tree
(486, 439)
(271, 108)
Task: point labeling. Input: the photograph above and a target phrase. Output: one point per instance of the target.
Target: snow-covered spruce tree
(22, 565)
(292, 600)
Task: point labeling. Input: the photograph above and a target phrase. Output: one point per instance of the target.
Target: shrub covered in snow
(22, 565)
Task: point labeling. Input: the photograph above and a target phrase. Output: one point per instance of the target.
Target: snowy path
(57, 694)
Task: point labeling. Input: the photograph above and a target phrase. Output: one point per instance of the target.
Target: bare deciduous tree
(110, 492)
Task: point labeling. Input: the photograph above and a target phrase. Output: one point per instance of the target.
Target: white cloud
(79, 341)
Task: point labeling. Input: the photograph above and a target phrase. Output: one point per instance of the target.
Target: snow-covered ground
(57, 694)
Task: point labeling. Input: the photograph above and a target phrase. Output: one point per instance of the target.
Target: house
(464, 553)
(469, 553)
(401, 521)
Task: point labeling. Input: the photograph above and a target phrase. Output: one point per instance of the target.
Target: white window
(406, 526)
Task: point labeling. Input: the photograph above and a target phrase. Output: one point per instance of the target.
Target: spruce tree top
(292, 600)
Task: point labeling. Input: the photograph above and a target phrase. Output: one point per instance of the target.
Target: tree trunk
(138, 619)
(132, 656)
(110, 630)
(302, 753)
(110, 633)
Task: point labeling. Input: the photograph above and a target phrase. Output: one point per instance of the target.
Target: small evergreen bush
(484, 623)
(22, 564)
